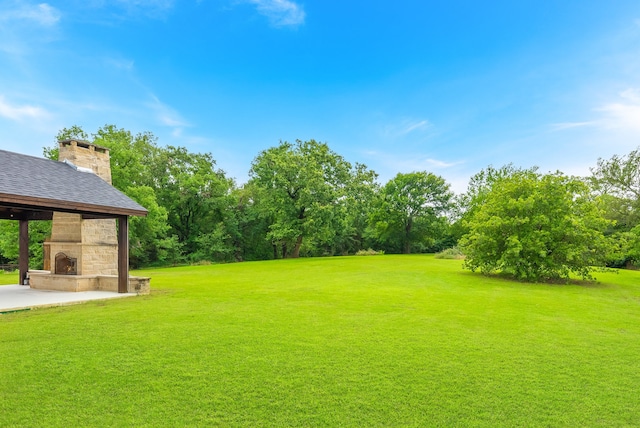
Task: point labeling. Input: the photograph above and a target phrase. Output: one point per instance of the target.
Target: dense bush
(369, 252)
(450, 253)
(537, 227)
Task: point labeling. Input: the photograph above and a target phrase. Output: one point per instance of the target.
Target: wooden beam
(123, 254)
(20, 213)
(16, 214)
(23, 251)
(48, 204)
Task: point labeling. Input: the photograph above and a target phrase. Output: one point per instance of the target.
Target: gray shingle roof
(33, 182)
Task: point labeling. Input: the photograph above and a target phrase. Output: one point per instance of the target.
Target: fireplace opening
(66, 265)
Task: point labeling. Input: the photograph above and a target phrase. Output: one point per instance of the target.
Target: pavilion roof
(33, 187)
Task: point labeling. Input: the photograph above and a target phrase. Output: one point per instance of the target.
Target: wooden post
(123, 254)
(23, 251)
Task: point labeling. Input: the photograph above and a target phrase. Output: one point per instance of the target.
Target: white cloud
(631, 94)
(18, 113)
(415, 126)
(409, 162)
(440, 164)
(42, 14)
(406, 126)
(621, 115)
(130, 9)
(569, 125)
(167, 115)
(24, 25)
(281, 13)
(153, 8)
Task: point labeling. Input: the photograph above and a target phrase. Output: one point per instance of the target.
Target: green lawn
(345, 341)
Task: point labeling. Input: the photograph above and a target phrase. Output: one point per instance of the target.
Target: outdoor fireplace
(82, 252)
(66, 265)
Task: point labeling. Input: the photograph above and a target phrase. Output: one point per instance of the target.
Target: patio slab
(21, 297)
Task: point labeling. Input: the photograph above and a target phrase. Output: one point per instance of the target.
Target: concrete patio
(21, 297)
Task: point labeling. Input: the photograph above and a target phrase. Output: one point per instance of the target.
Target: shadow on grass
(503, 277)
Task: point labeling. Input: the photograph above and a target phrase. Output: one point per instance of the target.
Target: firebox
(66, 265)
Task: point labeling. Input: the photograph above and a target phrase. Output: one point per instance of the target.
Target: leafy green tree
(131, 156)
(147, 235)
(479, 187)
(617, 181)
(299, 187)
(537, 227)
(194, 193)
(411, 210)
(9, 244)
(356, 206)
(253, 226)
(619, 176)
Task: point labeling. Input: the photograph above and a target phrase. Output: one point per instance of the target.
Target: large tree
(298, 189)
(356, 206)
(252, 227)
(411, 210)
(478, 188)
(620, 175)
(537, 227)
(617, 181)
(195, 194)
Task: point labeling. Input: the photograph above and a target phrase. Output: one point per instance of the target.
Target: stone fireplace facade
(89, 246)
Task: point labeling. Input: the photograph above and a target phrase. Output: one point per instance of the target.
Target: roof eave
(34, 203)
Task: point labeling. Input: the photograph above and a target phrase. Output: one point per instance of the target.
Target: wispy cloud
(631, 94)
(568, 125)
(153, 8)
(190, 140)
(23, 24)
(405, 127)
(41, 14)
(166, 115)
(622, 115)
(125, 10)
(281, 13)
(423, 124)
(439, 164)
(18, 113)
(408, 163)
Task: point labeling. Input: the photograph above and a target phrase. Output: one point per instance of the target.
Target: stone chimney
(86, 155)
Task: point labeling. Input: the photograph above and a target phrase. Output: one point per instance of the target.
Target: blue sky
(447, 87)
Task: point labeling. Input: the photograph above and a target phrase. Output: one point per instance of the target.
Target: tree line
(303, 199)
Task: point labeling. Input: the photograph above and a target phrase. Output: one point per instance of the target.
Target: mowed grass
(345, 341)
